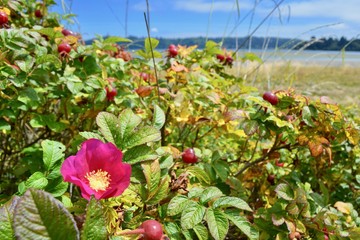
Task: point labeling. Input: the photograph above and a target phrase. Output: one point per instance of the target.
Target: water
(308, 57)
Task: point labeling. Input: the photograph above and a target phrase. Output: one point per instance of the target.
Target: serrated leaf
(173, 231)
(242, 223)
(231, 202)
(49, 58)
(152, 175)
(250, 127)
(201, 232)
(53, 152)
(36, 180)
(109, 126)
(292, 208)
(38, 215)
(284, 191)
(139, 154)
(143, 135)
(199, 173)
(158, 118)
(94, 226)
(192, 215)
(209, 194)
(128, 122)
(217, 222)
(6, 219)
(161, 192)
(58, 188)
(89, 135)
(177, 204)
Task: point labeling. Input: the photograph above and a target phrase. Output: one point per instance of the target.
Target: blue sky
(215, 18)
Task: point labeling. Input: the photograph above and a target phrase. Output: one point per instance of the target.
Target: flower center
(99, 180)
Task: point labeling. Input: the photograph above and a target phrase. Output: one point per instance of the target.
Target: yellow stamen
(99, 180)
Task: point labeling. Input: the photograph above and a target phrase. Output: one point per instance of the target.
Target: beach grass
(341, 83)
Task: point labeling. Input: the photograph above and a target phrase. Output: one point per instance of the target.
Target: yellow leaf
(6, 10)
(352, 135)
(185, 51)
(344, 207)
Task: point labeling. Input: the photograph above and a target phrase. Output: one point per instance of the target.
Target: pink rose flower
(98, 170)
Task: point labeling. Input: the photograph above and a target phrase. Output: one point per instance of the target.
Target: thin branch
(263, 158)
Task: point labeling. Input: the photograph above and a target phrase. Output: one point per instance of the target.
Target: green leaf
(154, 42)
(94, 226)
(158, 118)
(292, 208)
(213, 48)
(38, 215)
(173, 231)
(199, 173)
(284, 191)
(218, 223)
(307, 116)
(161, 192)
(52, 153)
(114, 39)
(177, 204)
(250, 127)
(109, 126)
(139, 154)
(57, 188)
(221, 168)
(144, 135)
(210, 193)
(242, 223)
(192, 215)
(6, 219)
(152, 175)
(231, 202)
(128, 122)
(37, 180)
(89, 135)
(49, 58)
(201, 232)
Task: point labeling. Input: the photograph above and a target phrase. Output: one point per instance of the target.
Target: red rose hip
(67, 32)
(111, 92)
(3, 18)
(64, 48)
(220, 57)
(189, 156)
(152, 230)
(172, 50)
(38, 13)
(271, 98)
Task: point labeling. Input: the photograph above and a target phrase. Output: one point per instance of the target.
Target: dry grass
(340, 83)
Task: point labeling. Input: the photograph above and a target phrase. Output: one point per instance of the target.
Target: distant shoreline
(326, 44)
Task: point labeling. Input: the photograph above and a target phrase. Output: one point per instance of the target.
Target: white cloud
(343, 10)
(154, 30)
(203, 6)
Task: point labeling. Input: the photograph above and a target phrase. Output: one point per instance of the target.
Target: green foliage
(37, 216)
